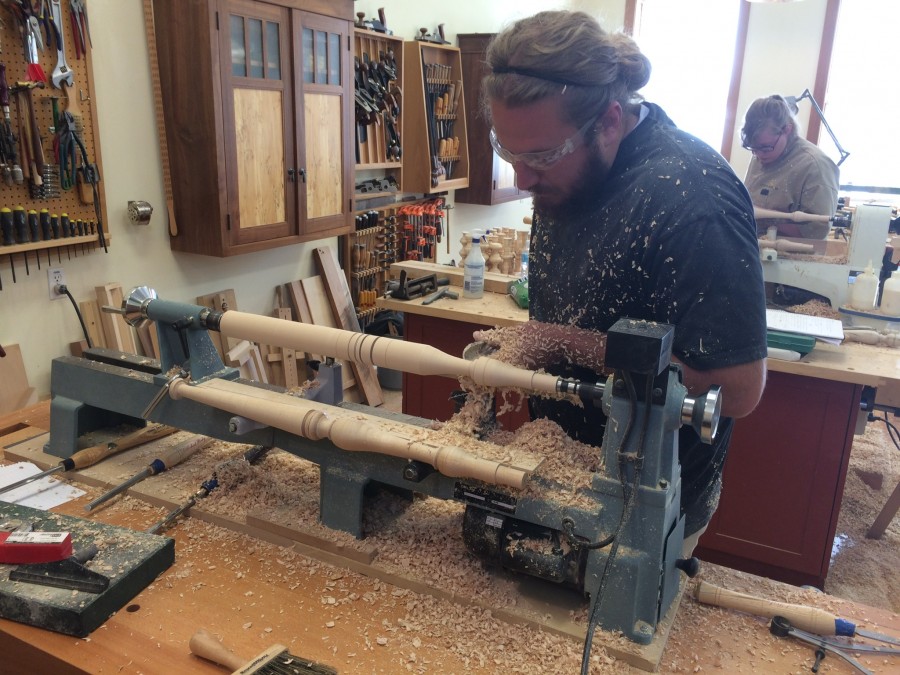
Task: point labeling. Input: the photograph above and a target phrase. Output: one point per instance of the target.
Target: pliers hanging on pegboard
(67, 146)
(81, 28)
(45, 17)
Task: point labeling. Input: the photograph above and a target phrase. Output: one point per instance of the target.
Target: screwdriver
(95, 453)
(167, 460)
(252, 456)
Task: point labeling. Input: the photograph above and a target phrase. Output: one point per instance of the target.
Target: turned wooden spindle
(410, 357)
(786, 246)
(795, 216)
(349, 430)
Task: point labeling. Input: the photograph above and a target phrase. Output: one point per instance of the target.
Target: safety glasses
(763, 149)
(543, 160)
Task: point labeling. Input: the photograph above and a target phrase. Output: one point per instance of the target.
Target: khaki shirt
(802, 179)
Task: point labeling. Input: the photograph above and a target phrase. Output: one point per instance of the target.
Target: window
(863, 100)
(688, 43)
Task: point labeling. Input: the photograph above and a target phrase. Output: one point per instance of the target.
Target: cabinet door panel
(258, 115)
(324, 168)
(260, 157)
(783, 481)
(323, 124)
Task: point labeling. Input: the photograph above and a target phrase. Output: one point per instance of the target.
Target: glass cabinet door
(261, 162)
(324, 127)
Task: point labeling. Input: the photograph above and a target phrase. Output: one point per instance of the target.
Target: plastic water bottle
(524, 274)
(473, 276)
(864, 290)
(890, 295)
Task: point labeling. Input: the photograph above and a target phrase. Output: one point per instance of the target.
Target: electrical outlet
(56, 278)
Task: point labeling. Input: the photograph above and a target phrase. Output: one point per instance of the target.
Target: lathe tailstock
(619, 540)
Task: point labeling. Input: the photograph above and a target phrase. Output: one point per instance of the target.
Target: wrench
(62, 74)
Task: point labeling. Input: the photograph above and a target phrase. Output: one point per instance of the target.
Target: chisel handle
(95, 453)
(167, 460)
(178, 454)
(810, 619)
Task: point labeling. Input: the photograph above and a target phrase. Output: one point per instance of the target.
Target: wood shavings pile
(815, 308)
(534, 344)
(866, 570)
(420, 539)
(417, 627)
(814, 257)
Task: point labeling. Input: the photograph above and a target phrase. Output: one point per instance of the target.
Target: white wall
(782, 57)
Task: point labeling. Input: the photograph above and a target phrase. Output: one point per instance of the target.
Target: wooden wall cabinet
(491, 179)
(433, 162)
(257, 100)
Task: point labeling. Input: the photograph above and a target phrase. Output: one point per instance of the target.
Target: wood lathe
(632, 500)
(868, 234)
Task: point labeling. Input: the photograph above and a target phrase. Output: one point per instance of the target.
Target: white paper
(828, 330)
(43, 494)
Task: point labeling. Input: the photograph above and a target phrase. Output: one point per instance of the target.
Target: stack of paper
(827, 330)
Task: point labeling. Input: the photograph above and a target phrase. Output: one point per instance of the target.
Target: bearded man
(633, 218)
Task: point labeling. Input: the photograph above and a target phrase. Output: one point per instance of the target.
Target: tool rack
(35, 247)
(378, 68)
(404, 231)
(400, 200)
(436, 153)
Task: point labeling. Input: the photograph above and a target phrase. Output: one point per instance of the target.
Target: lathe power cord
(61, 288)
(628, 493)
(893, 433)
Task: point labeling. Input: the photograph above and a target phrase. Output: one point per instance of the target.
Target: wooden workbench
(787, 462)
(854, 363)
(253, 590)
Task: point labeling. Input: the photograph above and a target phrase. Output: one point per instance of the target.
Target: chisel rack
(436, 154)
(33, 184)
(370, 250)
(385, 235)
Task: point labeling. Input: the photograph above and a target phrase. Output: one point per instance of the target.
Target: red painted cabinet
(784, 480)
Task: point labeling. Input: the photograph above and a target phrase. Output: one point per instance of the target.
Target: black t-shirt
(671, 238)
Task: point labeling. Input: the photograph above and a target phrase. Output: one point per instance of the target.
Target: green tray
(792, 341)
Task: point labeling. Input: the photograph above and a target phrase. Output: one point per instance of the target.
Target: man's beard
(582, 195)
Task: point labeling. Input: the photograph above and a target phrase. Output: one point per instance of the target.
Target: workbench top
(493, 309)
(254, 589)
(850, 362)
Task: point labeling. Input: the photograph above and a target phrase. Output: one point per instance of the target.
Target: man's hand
(539, 345)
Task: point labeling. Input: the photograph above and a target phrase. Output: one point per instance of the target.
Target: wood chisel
(95, 453)
(166, 460)
(252, 456)
(805, 618)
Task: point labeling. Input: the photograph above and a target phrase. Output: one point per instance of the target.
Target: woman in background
(787, 173)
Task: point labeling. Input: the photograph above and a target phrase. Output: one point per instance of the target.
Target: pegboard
(75, 200)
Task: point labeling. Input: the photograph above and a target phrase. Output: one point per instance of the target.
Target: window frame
(632, 7)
